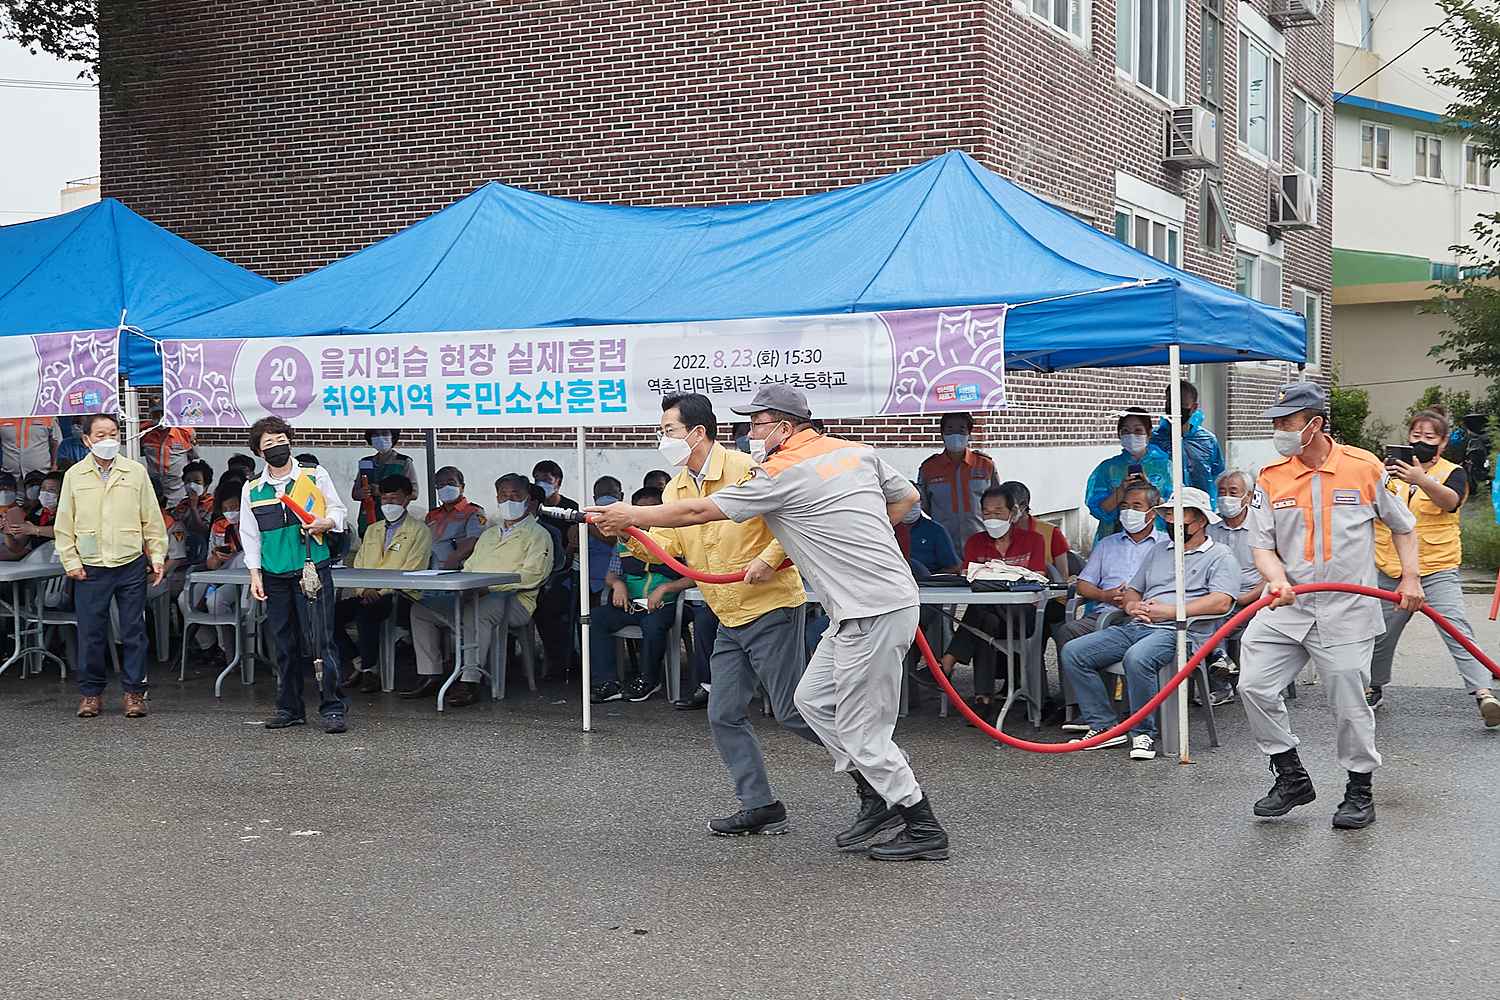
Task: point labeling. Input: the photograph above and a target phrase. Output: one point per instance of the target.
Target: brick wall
(286, 135)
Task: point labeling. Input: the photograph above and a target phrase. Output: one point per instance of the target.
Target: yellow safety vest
(1439, 545)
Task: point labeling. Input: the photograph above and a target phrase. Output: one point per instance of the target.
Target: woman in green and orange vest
(1434, 489)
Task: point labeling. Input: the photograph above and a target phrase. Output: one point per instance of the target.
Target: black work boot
(924, 839)
(874, 817)
(1357, 811)
(1293, 787)
(766, 821)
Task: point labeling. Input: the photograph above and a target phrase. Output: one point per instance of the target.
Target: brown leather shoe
(135, 705)
(89, 707)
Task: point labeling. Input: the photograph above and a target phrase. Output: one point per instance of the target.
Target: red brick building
(286, 135)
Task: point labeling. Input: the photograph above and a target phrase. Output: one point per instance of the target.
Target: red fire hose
(1224, 631)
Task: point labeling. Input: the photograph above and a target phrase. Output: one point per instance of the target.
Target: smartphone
(1400, 453)
(366, 466)
(1135, 469)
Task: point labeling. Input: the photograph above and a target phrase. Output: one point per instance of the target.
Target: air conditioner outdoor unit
(1192, 138)
(1291, 13)
(1294, 201)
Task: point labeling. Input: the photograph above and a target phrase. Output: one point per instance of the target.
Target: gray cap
(777, 396)
(1295, 397)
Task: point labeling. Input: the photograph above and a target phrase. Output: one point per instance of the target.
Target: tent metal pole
(1174, 393)
(431, 442)
(583, 589)
(132, 406)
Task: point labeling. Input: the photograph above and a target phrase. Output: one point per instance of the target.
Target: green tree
(69, 30)
(1470, 302)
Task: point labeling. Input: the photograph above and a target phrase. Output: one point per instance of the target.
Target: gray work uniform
(1237, 540)
(1321, 524)
(825, 500)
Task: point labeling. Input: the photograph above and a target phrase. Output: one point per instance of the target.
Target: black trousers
(368, 620)
(288, 611)
(125, 586)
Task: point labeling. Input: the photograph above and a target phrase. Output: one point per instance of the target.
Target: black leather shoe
(875, 817)
(283, 720)
(427, 689)
(369, 682)
(767, 821)
(1357, 811)
(698, 699)
(924, 839)
(462, 694)
(1293, 787)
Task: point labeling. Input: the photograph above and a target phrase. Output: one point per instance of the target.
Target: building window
(1213, 219)
(1211, 54)
(1148, 45)
(1375, 147)
(1149, 233)
(1069, 16)
(1310, 305)
(1307, 136)
(1258, 277)
(1260, 99)
(1429, 162)
(1476, 167)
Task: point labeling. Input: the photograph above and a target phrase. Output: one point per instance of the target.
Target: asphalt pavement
(498, 851)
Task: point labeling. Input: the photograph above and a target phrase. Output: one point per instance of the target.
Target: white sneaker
(1117, 741)
(1143, 747)
(1489, 710)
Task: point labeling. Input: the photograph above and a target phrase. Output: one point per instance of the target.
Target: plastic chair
(233, 619)
(496, 661)
(672, 664)
(56, 618)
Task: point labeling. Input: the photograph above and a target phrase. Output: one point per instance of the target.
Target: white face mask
(448, 494)
(605, 500)
(548, 487)
(1289, 443)
(392, 511)
(196, 489)
(914, 515)
(512, 510)
(761, 449)
(105, 449)
(381, 442)
(1134, 520)
(674, 451)
(48, 499)
(1231, 506)
(1135, 444)
(232, 516)
(955, 442)
(996, 527)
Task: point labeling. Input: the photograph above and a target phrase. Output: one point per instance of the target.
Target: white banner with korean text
(850, 365)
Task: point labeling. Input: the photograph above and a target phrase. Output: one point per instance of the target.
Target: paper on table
(429, 572)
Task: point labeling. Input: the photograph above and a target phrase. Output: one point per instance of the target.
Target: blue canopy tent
(945, 233)
(103, 265)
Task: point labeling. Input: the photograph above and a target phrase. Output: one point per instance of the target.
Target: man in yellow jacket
(108, 528)
(760, 640)
(397, 543)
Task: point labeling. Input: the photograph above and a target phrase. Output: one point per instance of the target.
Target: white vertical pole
(132, 406)
(1174, 354)
(583, 585)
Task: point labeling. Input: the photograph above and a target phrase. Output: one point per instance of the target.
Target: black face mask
(1425, 452)
(277, 455)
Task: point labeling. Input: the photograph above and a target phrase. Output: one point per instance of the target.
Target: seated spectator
(517, 544)
(656, 480)
(224, 552)
(196, 509)
(607, 490)
(398, 543)
(12, 516)
(557, 605)
(926, 544)
(1235, 490)
(36, 529)
(242, 466)
(1113, 562)
(73, 448)
(1147, 642)
(1139, 461)
(373, 470)
(1001, 540)
(640, 593)
(31, 489)
(456, 522)
(1054, 539)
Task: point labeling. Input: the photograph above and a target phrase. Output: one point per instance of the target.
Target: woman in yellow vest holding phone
(1434, 489)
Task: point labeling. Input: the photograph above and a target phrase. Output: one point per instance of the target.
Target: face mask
(1134, 520)
(1289, 443)
(762, 449)
(1135, 444)
(548, 487)
(106, 449)
(605, 500)
(33, 492)
(996, 527)
(743, 443)
(232, 516)
(674, 450)
(512, 510)
(392, 512)
(381, 442)
(448, 494)
(1231, 506)
(7, 498)
(955, 442)
(48, 499)
(1425, 452)
(278, 455)
(914, 515)
(196, 489)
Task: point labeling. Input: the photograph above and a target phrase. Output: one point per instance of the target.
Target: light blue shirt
(1115, 560)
